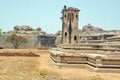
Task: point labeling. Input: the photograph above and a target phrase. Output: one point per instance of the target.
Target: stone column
(98, 61)
(58, 64)
(58, 58)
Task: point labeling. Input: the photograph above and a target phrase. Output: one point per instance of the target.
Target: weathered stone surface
(38, 29)
(58, 40)
(34, 41)
(89, 32)
(46, 41)
(91, 29)
(92, 54)
(70, 17)
(93, 58)
(23, 27)
(36, 37)
(59, 33)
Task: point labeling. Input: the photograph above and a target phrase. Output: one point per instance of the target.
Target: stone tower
(69, 19)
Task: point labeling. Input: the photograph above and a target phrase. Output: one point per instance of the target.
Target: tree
(16, 40)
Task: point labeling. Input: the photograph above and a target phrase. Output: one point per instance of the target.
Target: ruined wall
(97, 37)
(47, 41)
(35, 41)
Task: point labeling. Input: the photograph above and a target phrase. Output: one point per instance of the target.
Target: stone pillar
(58, 64)
(98, 61)
(58, 58)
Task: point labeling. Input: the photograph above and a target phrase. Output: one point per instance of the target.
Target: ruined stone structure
(98, 55)
(34, 41)
(90, 33)
(47, 41)
(70, 17)
(36, 38)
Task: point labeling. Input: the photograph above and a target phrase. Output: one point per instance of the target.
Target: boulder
(38, 29)
(23, 28)
(59, 33)
(91, 29)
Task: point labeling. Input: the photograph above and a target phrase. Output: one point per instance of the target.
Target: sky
(46, 13)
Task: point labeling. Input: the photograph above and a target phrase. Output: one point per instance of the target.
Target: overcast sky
(46, 13)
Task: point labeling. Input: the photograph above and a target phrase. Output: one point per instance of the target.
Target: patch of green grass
(41, 72)
(97, 77)
(45, 74)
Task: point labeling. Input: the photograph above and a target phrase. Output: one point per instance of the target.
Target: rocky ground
(41, 68)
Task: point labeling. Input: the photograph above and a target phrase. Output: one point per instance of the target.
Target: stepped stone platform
(103, 58)
(87, 49)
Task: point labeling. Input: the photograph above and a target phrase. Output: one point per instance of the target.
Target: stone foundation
(97, 60)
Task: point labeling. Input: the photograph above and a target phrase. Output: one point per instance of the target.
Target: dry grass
(41, 68)
(17, 68)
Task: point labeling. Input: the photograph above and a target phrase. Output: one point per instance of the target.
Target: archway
(65, 33)
(75, 38)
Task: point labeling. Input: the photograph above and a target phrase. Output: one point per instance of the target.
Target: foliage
(16, 40)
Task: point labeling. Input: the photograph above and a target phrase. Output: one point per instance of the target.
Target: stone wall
(35, 41)
(47, 41)
(96, 62)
